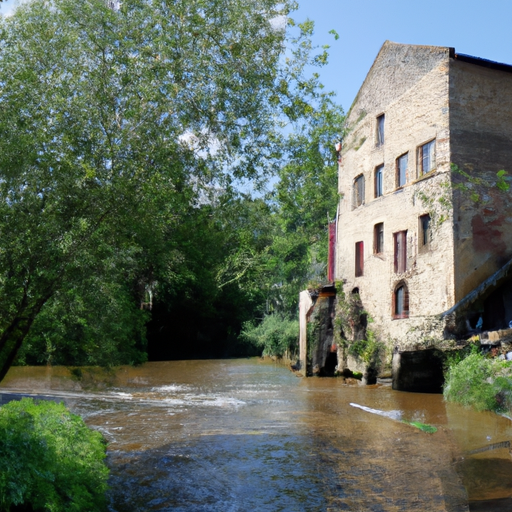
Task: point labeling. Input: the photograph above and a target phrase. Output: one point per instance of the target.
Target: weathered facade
(415, 239)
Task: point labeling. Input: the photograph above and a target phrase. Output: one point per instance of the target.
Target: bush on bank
(276, 335)
(480, 382)
(49, 460)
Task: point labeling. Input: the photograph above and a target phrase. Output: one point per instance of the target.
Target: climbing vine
(368, 349)
(474, 186)
(352, 318)
(436, 199)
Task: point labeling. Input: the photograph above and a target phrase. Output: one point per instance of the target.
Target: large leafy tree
(114, 123)
(301, 204)
(303, 201)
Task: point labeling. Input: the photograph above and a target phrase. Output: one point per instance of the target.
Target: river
(245, 435)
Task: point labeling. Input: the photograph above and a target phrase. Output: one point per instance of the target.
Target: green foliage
(455, 357)
(477, 186)
(335, 34)
(312, 333)
(429, 429)
(480, 382)
(342, 316)
(92, 323)
(122, 131)
(436, 200)
(502, 183)
(276, 334)
(49, 459)
(303, 199)
(368, 350)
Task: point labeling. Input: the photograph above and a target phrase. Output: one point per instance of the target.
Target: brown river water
(246, 435)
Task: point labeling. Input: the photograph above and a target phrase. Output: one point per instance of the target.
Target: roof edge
(478, 61)
(495, 279)
(387, 43)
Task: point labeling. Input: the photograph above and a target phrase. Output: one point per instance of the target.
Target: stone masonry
(412, 240)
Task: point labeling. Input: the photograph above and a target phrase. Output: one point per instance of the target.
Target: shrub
(368, 350)
(49, 459)
(480, 382)
(275, 334)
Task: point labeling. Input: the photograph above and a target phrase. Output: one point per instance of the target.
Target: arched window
(401, 301)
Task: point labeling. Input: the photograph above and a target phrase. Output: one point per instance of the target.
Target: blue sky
(475, 27)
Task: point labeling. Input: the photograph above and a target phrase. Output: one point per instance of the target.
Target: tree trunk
(13, 336)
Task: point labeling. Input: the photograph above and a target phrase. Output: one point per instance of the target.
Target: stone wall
(409, 85)
(481, 144)
(305, 306)
(397, 69)
(464, 105)
(320, 344)
(317, 348)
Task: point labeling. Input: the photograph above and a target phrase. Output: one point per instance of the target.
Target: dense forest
(167, 175)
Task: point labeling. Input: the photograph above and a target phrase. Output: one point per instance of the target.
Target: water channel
(248, 435)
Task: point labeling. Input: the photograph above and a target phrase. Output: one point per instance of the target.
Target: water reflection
(244, 435)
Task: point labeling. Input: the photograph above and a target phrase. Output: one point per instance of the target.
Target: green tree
(304, 200)
(115, 123)
(199, 313)
(301, 204)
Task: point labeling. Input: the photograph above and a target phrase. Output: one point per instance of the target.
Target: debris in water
(429, 429)
(397, 416)
(393, 415)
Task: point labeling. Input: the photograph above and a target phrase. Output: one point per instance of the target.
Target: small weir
(238, 435)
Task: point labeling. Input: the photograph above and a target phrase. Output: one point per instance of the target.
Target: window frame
(424, 235)
(380, 131)
(421, 157)
(400, 251)
(398, 181)
(378, 182)
(378, 238)
(400, 310)
(358, 191)
(359, 259)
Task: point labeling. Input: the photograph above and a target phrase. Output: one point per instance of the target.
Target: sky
(481, 28)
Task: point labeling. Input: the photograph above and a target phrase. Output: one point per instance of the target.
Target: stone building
(427, 249)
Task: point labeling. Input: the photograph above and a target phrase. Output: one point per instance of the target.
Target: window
(426, 158)
(358, 191)
(400, 240)
(379, 172)
(359, 259)
(113, 4)
(425, 230)
(401, 301)
(401, 170)
(379, 140)
(378, 238)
